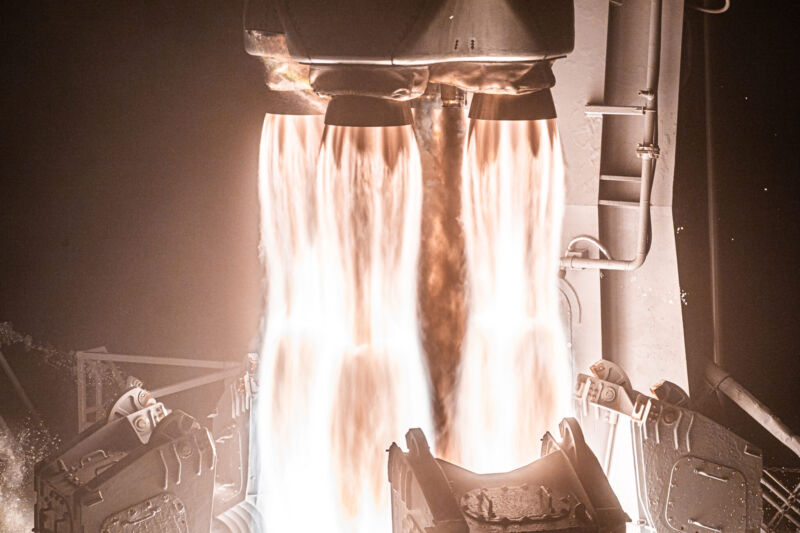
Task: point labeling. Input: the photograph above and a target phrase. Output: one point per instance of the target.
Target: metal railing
(89, 377)
(780, 501)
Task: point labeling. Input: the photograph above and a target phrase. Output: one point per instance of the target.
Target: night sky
(129, 157)
(755, 140)
(129, 216)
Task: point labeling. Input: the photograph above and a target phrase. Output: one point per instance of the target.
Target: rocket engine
(393, 63)
(372, 59)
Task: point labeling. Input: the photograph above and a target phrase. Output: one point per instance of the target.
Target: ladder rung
(626, 179)
(614, 110)
(619, 203)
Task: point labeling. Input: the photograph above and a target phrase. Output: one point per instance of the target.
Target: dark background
(755, 150)
(128, 211)
(128, 208)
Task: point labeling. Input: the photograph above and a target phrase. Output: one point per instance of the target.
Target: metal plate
(164, 513)
(515, 504)
(704, 496)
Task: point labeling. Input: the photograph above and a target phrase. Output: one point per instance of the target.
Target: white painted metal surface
(632, 318)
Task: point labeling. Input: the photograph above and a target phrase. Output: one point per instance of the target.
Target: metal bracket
(86, 360)
(648, 151)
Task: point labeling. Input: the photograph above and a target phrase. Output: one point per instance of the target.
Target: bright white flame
(514, 382)
(341, 368)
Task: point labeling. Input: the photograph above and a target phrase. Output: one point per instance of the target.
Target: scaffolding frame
(86, 365)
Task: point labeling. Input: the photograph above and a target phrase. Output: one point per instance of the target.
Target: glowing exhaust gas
(342, 373)
(342, 363)
(514, 382)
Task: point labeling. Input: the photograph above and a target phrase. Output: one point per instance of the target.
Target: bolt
(141, 423)
(608, 395)
(669, 416)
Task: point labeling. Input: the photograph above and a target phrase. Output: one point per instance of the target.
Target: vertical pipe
(609, 452)
(647, 151)
(650, 95)
(713, 231)
(79, 370)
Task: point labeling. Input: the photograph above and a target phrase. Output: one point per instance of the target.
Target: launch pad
(391, 304)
